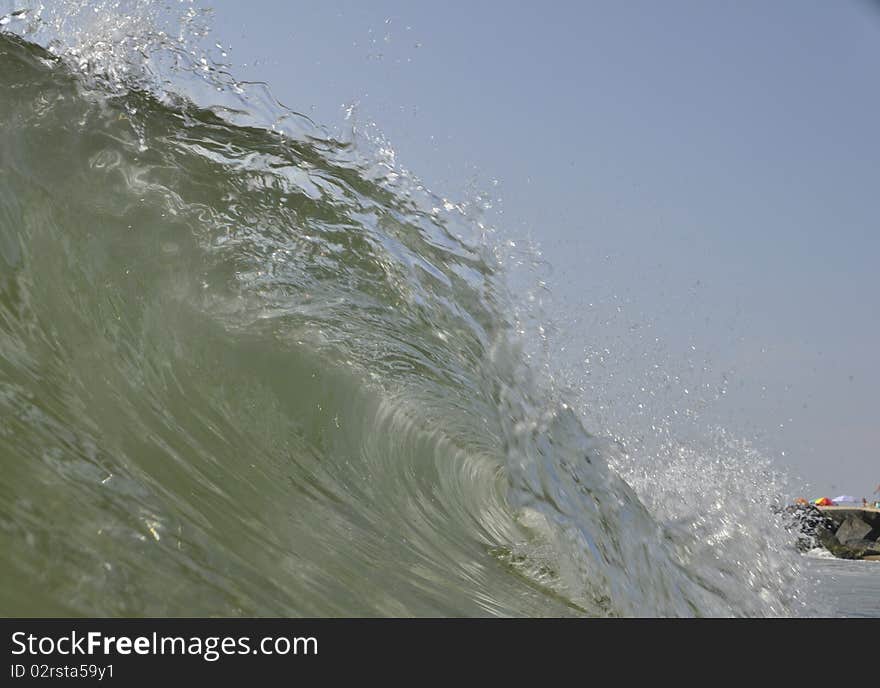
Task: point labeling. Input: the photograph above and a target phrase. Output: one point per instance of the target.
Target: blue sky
(708, 168)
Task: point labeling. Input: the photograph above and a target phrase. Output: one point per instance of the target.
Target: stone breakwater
(846, 532)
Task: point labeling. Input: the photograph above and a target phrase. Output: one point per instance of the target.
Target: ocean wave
(250, 369)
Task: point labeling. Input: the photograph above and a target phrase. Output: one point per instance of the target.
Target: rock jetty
(846, 532)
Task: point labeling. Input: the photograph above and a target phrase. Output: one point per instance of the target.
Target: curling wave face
(245, 371)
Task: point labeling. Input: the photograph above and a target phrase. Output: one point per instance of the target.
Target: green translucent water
(250, 374)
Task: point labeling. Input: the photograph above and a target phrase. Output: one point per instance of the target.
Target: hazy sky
(709, 168)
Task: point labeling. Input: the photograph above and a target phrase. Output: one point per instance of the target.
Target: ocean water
(852, 587)
(247, 368)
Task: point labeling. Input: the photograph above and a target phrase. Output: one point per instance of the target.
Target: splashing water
(249, 369)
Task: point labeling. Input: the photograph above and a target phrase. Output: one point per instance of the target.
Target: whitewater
(250, 369)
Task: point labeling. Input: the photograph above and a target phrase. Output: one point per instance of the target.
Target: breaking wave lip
(253, 370)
